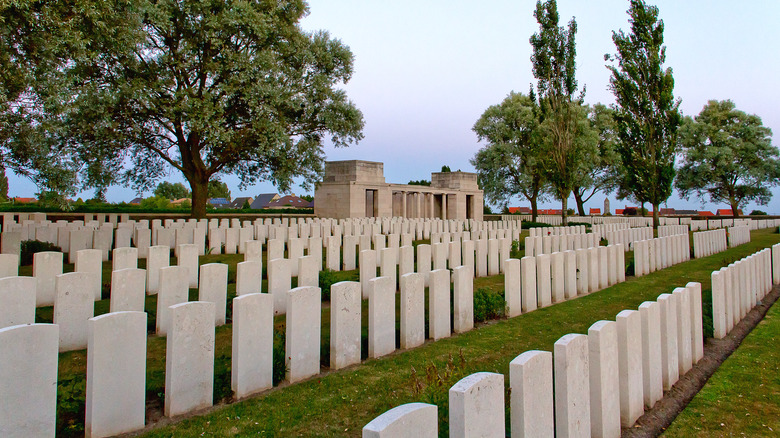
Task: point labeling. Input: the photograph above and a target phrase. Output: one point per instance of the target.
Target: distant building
(727, 212)
(289, 201)
(262, 200)
(136, 201)
(519, 210)
(595, 212)
(18, 200)
(705, 213)
(181, 201)
(240, 201)
(219, 202)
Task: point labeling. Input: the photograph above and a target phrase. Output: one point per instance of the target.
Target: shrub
(529, 224)
(517, 246)
(757, 213)
(327, 279)
(30, 247)
(488, 305)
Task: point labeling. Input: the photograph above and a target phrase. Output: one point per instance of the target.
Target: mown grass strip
(341, 403)
(742, 398)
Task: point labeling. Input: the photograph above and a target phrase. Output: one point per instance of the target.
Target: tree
(445, 168)
(599, 168)
(218, 189)
(422, 182)
(646, 113)
(172, 191)
(554, 68)
(206, 88)
(511, 163)
(728, 156)
(3, 184)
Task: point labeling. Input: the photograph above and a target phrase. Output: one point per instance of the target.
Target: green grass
(341, 403)
(318, 406)
(742, 398)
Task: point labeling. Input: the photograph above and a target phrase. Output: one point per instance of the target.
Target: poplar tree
(646, 113)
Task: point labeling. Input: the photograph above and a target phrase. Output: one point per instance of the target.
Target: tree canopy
(728, 156)
(123, 92)
(646, 114)
(554, 68)
(218, 189)
(511, 162)
(171, 191)
(599, 167)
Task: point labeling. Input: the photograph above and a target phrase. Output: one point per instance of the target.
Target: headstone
(279, 282)
(124, 258)
(531, 384)
(345, 319)
(189, 358)
(463, 299)
(381, 317)
(47, 265)
(116, 374)
(439, 304)
(477, 406)
(252, 344)
(9, 265)
(188, 258)
(604, 379)
(572, 388)
(368, 268)
(512, 289)
(302, 333)
(213, 289)
(629, 332)
(128, 290)
(28, 380)
(17, 295)
(174, 289)
(74, 304)
(528, 276)
(158, 257)
(409, 420)
(249, 277)
(412, 310)
(669, 354)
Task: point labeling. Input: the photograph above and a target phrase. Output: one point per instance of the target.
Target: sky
(425, 70)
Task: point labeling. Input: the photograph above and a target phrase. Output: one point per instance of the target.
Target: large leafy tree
(646, 112)
(203, 87)
(599, 167)
(511, 163)
(728, 156)
(554, 68)
(171, 191)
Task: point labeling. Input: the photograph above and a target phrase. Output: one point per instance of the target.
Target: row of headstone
(671, 230)
(738, 287)
(557, 243)
(707, 243)
(556, 231)
(738, 235)
(655, 254)
(590, 385)
(760, 224)
(628, 236)
(535, 282)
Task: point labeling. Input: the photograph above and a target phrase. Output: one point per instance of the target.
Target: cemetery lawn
(742, 398)
(340, 403)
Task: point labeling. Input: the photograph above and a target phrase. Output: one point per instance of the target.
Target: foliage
(218, 189)
(124, 91)
(279, 363)
(307, 197)
(52, 199)
(445, 169)
(422, 182)
(71, 405)
(554, 68)
(171, 191)
(327, 278)
(511, 164)
(531, 224)
(30, 247)
(434, 386)
(246, 205)
(728, 156)
(758, 213)
(488, 305)
(599, 171)
(646, 114)
(156, 203)
(486, 209)
(516, 251)
(3, 184)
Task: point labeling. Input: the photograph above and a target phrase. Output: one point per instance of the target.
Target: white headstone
(345, 318)
(213, 289)
(252, 347)
(74, 305)
(128, 290)
(302, 333)
(477, 406)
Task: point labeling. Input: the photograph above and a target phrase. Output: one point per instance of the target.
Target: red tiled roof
(290, 201)
(595, 211)
(706, 213)
(619, 211)
(24, 200)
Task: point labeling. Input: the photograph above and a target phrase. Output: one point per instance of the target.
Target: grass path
(742, 398)
(341, 403)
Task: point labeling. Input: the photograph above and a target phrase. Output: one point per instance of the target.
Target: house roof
(239, 202)
(180, 200)
(290, 201)
(705, 213)
(24, 200)
(521, 210)
(262, 200)
(727, 212)
(688, 212)
(619, 211)
(136, 201)
(666, 211)
(595, 211)
(218, 201)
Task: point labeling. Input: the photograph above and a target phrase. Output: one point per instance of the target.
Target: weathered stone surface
(124, 258)
(531, 383)
(17, 295)
(381, 317)
(158, 257)
(28, 380)
(345, 329)
(188, 258)
(252, 346)
(74, 305)
(47, 265)
(512, 288)
(412, 420)
(572, 390)
(412, 310)
(279, 282)
(669, 354)
(629, 331)
(189, 358)
(477, 406)
(603, 363)
(128, 290)
(368, 268)
(439, 304)
(528, 286)
(249, 277)
(213, 289)
(174, 289)
(463, 299)
(116, 373)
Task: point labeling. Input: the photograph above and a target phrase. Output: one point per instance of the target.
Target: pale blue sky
(425, 71)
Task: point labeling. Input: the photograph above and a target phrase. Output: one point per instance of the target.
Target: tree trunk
(642, 209)
(534, 209)
(655, 216)
(564, 202)
(580, 203)
(200, 195)
(734, 209)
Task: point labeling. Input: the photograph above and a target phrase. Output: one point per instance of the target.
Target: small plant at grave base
(488, 305)
(528, 224)
(514, 252)
(279, 364)
(30, 247)
(603, 242)
(222, 375)
(434, 386)
(630, 268)
(327, 279)
(71, 405)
